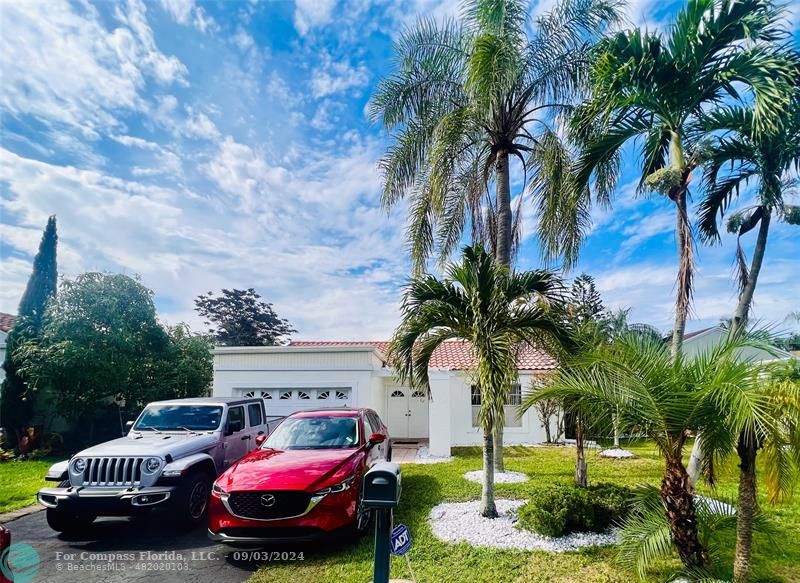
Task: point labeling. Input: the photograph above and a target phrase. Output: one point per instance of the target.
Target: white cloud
(312, 13)
(331, 77)
(331, 263)
(198, 125)
(279, 90)
(135, 142)
(187, 12)
(65, 67)
(243, 40)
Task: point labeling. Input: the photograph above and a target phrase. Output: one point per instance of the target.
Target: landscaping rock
(461, 522)
(616, 453)
(499, 477)
(424, 457)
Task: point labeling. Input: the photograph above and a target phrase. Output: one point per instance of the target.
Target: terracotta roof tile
(452, 355)
(7, 322)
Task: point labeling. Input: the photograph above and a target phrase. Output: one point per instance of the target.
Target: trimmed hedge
(564, 508)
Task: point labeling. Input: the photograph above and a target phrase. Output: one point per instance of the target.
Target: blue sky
(203, 145)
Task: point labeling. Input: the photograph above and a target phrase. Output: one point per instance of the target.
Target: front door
(407, 412)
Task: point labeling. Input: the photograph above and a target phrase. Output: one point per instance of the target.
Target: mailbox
(381, 488)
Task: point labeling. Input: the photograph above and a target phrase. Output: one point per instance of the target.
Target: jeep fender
(58, 472)
(185, 465)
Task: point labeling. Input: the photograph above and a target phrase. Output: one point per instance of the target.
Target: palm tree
(498, 311)
(774, 430)
(655, 91)
(666, 398)
(466, 98)
(766, 158)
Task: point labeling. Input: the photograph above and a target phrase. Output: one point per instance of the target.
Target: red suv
(303, 482)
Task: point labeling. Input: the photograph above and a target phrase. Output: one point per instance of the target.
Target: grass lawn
(435, 561)
(19, 482)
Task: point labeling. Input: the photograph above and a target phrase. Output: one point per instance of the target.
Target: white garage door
(282, 402)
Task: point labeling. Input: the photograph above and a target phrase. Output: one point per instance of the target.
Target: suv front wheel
(68, 522)
(191, 499)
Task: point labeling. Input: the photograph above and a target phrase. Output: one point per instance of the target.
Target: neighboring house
(309, 375)
(6, 324)
(701, 340)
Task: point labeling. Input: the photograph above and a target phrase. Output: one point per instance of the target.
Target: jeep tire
(68, 522)
(190, 503)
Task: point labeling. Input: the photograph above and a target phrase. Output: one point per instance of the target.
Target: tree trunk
(488, 508)
(683, 235)
(746, 297)
(696, 460)
(581, 473)
(739, 320)
(499, 466)
(504, 236)
(502, 254)
(547, 430)
(677, 496)
(616, 429)
(746, 508)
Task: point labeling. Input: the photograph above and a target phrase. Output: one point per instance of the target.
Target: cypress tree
(16, 401)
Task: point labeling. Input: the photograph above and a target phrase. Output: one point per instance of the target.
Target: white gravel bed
(461, 522)
(499, 477)
(616, 453)
(424, 457)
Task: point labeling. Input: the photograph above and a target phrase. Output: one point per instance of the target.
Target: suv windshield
(324, 432)
(179, 418)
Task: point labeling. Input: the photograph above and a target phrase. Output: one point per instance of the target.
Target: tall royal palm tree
(654, 92)
(770, 159)
(498, 312)
(638, 380)
(468, 97)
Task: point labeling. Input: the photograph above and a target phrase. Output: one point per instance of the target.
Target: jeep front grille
(113, 471)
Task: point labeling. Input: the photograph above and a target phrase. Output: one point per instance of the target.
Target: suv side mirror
(376, 438)
(128, 425)
(232, 427)
(260, 439)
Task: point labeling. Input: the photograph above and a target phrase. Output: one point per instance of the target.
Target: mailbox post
(381, 493)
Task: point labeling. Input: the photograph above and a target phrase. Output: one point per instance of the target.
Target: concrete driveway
(117, 550)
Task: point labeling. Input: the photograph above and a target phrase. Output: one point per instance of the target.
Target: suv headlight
(78, 465)
(336, 488)
(151, 465)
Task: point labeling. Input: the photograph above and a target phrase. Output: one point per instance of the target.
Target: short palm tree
(771, 159)
(773, 430)
(666, 398)
(654, 91)
(496, 310)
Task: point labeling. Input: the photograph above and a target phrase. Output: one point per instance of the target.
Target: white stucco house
(701, 340)
(309, 375)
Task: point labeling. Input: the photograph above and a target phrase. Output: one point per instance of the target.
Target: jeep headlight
(78, 465)
(151, 465)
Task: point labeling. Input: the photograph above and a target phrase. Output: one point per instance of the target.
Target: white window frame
(512, 418)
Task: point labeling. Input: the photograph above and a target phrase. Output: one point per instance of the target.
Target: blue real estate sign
(401, 540)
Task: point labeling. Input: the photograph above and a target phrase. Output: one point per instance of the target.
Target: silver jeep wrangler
(169, 459)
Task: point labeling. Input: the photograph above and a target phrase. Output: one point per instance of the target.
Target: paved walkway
(403, 453)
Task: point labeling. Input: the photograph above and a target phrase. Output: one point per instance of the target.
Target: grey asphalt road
(123, 550)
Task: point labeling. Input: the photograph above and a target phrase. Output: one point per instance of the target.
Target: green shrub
(612, 503)
(564, 508)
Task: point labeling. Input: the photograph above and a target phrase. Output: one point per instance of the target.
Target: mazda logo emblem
(267, 500)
